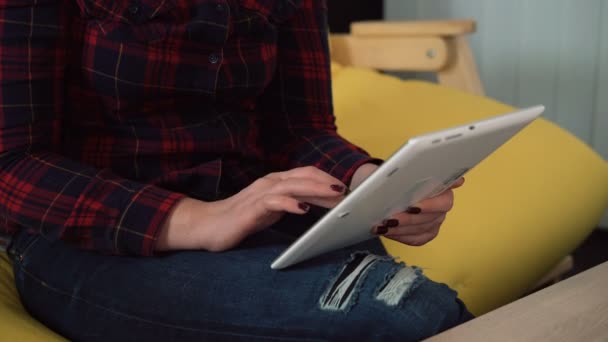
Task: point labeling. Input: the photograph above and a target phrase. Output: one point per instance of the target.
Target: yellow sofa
(522, 191)
(15, 323)
(520, 212)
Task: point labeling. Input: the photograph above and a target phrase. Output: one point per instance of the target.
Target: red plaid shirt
(113, 110)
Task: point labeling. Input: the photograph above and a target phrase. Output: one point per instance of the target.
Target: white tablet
(424, 167)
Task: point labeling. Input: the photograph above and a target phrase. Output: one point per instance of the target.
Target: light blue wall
(553, 52)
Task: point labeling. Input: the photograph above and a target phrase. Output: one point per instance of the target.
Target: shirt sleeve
(299, 125)
(41, 190)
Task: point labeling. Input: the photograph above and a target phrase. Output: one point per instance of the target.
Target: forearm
(325, 150)
(299, 125)
(46, 192)
(90, 208)
(361, 174)
(178, 231)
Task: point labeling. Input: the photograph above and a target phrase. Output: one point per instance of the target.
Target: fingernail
(381, 230)
(413, 210)
(303, 206)
(337, 188)
(391, 223)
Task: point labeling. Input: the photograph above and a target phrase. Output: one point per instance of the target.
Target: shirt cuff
(330, 153)
(142, 219)
(349, 170)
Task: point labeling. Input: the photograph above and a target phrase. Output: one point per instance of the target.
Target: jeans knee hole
(342, 291)
(399, 285)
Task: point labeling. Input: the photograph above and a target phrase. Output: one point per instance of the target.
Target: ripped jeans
(353, 294)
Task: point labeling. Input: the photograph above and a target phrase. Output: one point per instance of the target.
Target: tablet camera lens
(471, 127)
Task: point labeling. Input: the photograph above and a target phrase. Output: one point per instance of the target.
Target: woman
(156, 155)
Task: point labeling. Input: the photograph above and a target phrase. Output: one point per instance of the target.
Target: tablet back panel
(424, 167)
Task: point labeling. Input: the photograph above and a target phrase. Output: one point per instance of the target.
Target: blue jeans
(356, 293)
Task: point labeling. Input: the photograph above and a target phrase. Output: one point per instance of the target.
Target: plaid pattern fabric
(112, 110)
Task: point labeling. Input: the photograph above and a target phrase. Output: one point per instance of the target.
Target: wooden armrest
(447, 28)
(390, 53)
(436, 46)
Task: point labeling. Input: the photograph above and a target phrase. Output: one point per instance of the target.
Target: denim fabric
(229, 296)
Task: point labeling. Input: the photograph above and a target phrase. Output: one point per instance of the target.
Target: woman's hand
(420, 223)
(221, 225)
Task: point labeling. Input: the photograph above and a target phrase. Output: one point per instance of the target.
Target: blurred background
(551, 52)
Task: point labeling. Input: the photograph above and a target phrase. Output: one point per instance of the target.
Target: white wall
(553, 52)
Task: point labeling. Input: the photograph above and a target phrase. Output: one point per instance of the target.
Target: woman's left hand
(420, 223)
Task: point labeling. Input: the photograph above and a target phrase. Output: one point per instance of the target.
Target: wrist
(361, 173)
(176, 232)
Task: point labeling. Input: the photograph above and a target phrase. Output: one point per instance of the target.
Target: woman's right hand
(222, 225)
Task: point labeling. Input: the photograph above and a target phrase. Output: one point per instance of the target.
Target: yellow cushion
(15, 323)
(523, 209)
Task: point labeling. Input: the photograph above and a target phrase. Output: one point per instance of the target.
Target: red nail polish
(381, 230)
(391, 223)
(337, 188)
(303, 206)
(413, 210)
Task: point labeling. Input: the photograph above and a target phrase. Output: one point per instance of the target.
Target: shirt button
(214, 58)
(134, 9)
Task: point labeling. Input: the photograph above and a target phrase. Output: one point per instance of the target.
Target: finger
(393, 228)
(324, 202)
(458, 183)
(305, 187)
(312, 173)
(441, 203)
(417, 240)
(418, 229)
(281, 203)
(406, 219)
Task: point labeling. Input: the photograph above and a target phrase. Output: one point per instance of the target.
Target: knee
(389, 301)
(434, 308)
